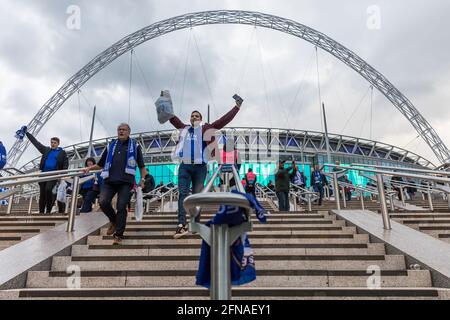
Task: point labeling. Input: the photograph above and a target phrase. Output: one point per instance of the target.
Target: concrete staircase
(298, 256)
(17, 228)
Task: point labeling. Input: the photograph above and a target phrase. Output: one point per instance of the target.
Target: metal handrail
(381, 191)
(438, 172)
(39, 174)
(267, 194)
(57, 175)
(401, 174)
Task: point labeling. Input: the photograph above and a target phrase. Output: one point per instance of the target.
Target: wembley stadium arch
(378, 80)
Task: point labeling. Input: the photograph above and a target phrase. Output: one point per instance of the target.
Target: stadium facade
(259, 148)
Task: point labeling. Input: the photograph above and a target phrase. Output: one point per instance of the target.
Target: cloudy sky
(275, 73)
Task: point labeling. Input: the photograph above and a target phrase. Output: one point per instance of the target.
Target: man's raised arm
(177, 123)
(226, 119)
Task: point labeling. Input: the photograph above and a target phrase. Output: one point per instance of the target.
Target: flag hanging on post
(242, 262)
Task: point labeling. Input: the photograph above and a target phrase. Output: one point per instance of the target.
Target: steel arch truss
(235, 17)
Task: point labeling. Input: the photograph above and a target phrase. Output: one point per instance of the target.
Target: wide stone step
(390, 262)
(186, 278)
(280, 241)
(24, 224)
(286, 227)
(252, 235)
(244, 293)
(344, 232)
(84, 250)
(258, 244)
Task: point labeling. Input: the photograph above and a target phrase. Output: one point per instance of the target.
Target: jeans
(319, 188)
(88, 200)
(283, 200)
(46, 196)
(187, 173)
(107, 193)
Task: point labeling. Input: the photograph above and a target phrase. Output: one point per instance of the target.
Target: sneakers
(117, 240)
(111, 229)
(181, 231)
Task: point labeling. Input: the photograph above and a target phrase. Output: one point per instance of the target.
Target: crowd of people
(122, 159)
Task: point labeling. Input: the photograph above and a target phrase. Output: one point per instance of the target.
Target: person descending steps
(119, 162)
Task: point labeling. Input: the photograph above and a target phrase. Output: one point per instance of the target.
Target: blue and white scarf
(20, 134)
(242, 262)
(190, 147)
(130, 168)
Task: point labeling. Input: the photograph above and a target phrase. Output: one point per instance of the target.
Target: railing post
(162, 204)
(430, 201)
(344, 197)
(309, 203)
(220, 263)
(73, 204)
(147, 205)
(402, 196)
(30, 204)
(448, 197)
(67, 205)
(10, 203)
(391, 200)
(382, 198)
(336, 191)
(361, 193)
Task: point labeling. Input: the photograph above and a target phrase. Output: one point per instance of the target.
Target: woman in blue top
(90, 189)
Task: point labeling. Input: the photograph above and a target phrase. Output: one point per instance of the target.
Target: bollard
(382, 198)
(73, 204)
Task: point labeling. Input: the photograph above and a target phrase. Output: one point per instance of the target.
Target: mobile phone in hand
(238, 99)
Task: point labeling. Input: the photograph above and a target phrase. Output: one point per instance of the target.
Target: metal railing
(21, 180)
(303, 194)
(219, 237)
(157, 195)
(381, 187)
(267, 195)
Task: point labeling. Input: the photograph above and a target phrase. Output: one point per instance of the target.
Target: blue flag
(242, 262)
(2, 156)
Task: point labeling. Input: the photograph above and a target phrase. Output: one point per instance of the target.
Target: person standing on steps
(283, 185)
(318, 181)
(53, 158)
(191, 153)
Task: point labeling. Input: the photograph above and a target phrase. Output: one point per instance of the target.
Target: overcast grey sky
(274, 72)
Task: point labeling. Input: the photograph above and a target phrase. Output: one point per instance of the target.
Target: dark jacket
(149, 183)
(283, 180)
(62, 161)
